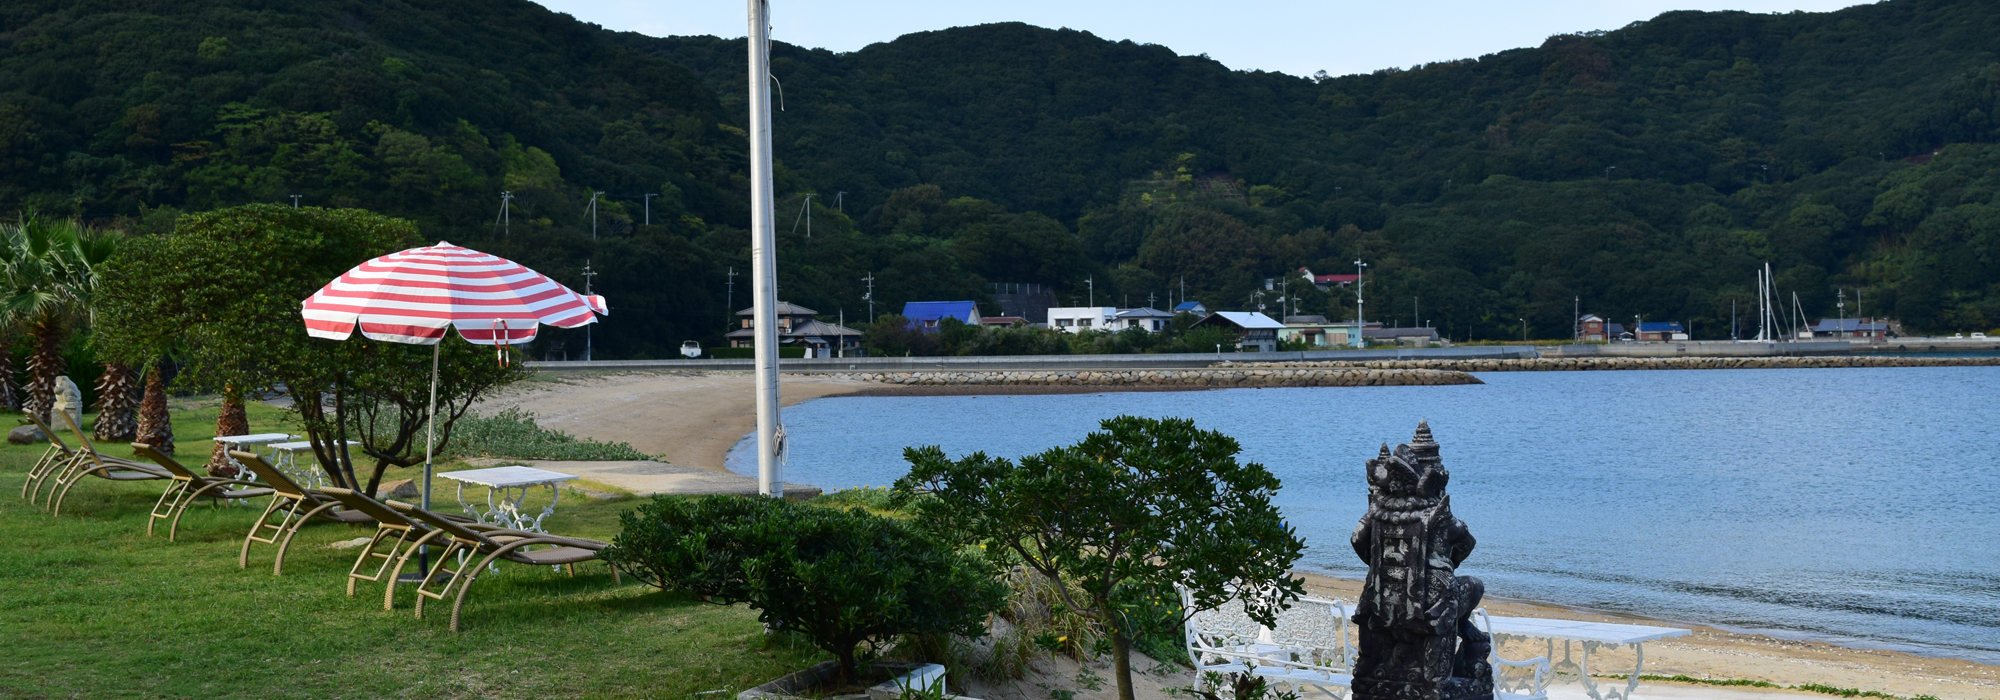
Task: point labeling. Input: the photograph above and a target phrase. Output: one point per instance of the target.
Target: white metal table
(1591, 636)
(506, 487)
(248, 443)
(285, 456)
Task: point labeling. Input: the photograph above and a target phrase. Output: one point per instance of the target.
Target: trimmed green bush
(512, 433)
(840, 578)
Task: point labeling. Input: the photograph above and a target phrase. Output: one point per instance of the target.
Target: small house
(926, 315)
(1255, 332)
(1851, 329)
(1191, 307)
(1591, 329)
(1315, 331)
(1327, 282)
(1661, 331)
(1143, 318)
(797, 327)
(1002, 321)
(1418, 337)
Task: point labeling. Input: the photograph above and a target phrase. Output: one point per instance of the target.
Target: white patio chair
(1532, 687)
(1311, 651)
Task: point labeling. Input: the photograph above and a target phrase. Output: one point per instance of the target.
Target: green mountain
(1646, 171)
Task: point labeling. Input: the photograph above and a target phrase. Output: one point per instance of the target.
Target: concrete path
(647, 477)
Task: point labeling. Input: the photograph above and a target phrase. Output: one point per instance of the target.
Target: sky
(1289, 36)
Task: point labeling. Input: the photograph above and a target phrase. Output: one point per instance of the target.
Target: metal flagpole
(430, 443)
(763, 244)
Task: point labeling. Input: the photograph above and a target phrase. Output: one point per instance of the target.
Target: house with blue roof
(1191, 307)
(1661, 331)
(927, 314)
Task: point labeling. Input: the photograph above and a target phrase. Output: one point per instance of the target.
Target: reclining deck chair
(494, 544)
(402, 533)
(56, 462)
(294, 504)
(90, 462)
(189, 485)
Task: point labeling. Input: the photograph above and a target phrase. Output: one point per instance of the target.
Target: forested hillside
(1647, 170)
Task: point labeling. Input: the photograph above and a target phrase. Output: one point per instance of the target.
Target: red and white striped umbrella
(411, 296)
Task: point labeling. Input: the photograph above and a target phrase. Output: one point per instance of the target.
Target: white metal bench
(1308, 648)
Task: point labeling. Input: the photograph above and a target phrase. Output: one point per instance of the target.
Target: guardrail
(1049, 362)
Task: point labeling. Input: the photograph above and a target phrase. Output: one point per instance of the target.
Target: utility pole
(593, 215)
(506, 213)
(587, 274)
(295, 200)
(730, 300)
(1524, 330)
(1183, 289)
(1093, 289)
(763, 249)
(649, 208)
(1842, 328)
(805, 212)
(1359, 270)
(1576, 320)
(870, 296)
(838, 197)
(1149, 300)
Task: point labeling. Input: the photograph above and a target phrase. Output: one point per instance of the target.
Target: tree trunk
(156, 427)
(117, 400)
(10, 396)
(44, 365)
(232, 421)
(1121, 659)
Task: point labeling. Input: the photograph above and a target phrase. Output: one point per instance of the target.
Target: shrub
(841, 578)
(512, 433)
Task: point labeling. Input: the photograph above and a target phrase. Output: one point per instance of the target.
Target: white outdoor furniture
(1534, 687)
(248, 443)
(506, 487)
(285, 456)
(1308, 647)
(1591, 636)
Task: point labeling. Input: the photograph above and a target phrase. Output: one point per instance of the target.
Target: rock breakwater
(1205, 378)
(1561, 364)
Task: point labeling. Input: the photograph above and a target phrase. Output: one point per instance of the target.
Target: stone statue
(68, 400)
(1418, 641)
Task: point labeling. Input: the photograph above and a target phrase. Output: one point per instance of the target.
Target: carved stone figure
(1418, 641)
(68, 400)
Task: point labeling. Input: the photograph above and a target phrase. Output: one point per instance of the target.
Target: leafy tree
(242, 332)
(1145, 502)
(840, 578)
(49, 269)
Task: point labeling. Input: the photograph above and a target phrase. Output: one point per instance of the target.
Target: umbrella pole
(430, 443)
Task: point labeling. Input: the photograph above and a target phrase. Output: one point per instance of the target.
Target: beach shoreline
(693, 418)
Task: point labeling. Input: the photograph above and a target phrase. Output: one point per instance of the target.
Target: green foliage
(1645, 169)
(840, 578)
(512, 433)
(225, 287)
(1144, 504)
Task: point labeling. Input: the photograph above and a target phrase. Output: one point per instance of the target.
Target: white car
(1979, 336)
(1958, 336)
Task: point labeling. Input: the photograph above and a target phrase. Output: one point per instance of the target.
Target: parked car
(691, 349)
(1979, 336)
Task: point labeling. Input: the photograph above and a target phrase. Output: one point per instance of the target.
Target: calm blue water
(1859, 506)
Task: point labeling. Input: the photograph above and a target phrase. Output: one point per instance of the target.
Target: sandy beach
(693, 418)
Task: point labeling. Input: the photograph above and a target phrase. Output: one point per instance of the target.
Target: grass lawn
(92, 607)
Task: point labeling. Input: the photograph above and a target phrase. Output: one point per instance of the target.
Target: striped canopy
(411, 296)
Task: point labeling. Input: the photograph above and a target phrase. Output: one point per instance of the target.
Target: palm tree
(47, 274)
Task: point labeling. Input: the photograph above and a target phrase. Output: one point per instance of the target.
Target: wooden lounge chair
(57, 461)
(89, 462)
(294, 505)
(402, 533)
(510, 545)
(188, 486)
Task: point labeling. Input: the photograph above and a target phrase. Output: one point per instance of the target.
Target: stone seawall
(1558, 364)
(1210, 378)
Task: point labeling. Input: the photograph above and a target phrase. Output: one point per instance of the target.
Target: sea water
(1858, 506)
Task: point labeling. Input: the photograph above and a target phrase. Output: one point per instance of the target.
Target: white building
(1146, 319)
(1077, 319)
